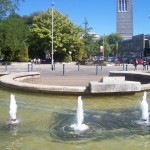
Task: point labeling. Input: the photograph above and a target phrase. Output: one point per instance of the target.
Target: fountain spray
(13, 110)
(144, 108)
(80, 117)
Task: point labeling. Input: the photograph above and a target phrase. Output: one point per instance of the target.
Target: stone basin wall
(144, 78)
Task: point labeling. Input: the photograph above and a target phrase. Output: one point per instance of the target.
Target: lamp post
(52, 58)
(103, 45)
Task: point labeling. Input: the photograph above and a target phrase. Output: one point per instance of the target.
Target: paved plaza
(68, 74)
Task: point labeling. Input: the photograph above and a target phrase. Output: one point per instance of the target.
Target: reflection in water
(45, 122)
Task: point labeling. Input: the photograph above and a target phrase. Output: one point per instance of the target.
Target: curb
(13, 81)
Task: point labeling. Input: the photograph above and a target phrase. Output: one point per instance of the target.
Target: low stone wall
(108, 80)
(117, 82)
(114, 85)
(12, 81)
(143, 77)
(3, 73)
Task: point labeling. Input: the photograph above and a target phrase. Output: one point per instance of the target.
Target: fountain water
(80, 117)
(144, 108)
(13, 110)
(111, 120)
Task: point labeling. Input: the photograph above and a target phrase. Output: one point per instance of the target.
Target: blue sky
(100, 14)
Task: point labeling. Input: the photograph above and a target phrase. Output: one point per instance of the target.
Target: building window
(125, 5)
(122, 5)
(120, 2)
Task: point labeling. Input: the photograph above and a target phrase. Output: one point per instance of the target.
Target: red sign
(101, 49)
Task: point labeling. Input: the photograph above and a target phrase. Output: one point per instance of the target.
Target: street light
(52, 59)
(103, 45)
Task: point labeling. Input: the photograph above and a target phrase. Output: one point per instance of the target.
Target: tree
(110, 43)
(21, 54)
(104, 42)
(1, 38)
(67, 41)
(14, 35)
(90, 43)
(29, 19)
(113, 40)
(8, 6)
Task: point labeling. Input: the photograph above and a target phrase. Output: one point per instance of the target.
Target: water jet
(13, 110)
(47, 119)
(144, 108)
(80, 117)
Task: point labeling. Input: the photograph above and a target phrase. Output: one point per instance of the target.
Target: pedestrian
(135, 64)
(144, 65)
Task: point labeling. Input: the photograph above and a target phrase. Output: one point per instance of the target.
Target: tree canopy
(13, 35)
(8, 6)
(90, 44)
(110, 43)
(68, 44)
(32, 35)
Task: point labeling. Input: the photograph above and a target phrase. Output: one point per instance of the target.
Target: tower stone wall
(124, 25)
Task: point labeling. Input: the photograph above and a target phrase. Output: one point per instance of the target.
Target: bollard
(147, 66)
(28, 67)
(54, 66)
(101, 67)
(126, 67)
(31, 66)
(96, 69)
(78, 66)
(123, 66)
(6, 67)
(63, 69)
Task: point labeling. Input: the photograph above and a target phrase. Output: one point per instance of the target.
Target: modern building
(136, 47)
(124, 18)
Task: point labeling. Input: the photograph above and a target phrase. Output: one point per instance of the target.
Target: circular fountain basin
(45, 120)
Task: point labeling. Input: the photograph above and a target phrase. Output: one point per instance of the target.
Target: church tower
(124, 24)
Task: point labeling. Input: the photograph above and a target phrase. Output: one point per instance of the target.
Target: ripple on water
(102, 125)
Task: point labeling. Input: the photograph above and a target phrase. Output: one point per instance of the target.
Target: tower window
(125, 5)
(120, 2)
(122, 5)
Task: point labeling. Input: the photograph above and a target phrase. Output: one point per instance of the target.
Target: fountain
(48, 120)
(80, 117)
(144, 108)
(13, 110)
(144, 121)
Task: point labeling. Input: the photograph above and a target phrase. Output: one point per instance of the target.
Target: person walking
(135, 64)
(144, 65)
